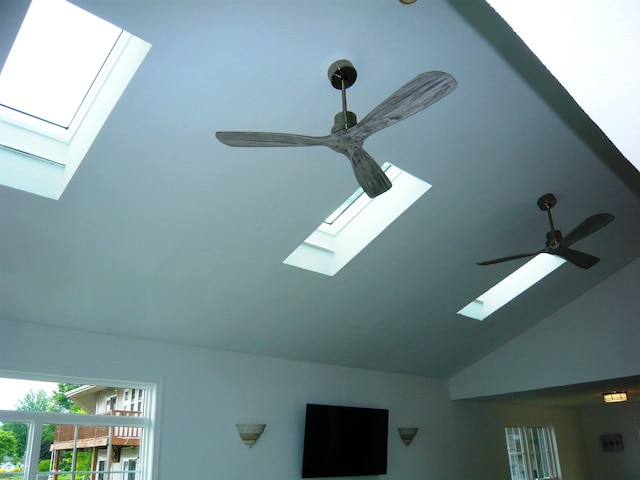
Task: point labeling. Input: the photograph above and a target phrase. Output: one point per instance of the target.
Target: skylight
(52, 65)
(359, 220)
(64, 74)
(510, 287)
(584, 45)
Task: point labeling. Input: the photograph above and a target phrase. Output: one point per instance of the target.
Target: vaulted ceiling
(164, 233)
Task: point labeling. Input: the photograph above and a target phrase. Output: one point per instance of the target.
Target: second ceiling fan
(558, 245)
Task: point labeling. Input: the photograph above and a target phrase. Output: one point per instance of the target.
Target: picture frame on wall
(611, 443)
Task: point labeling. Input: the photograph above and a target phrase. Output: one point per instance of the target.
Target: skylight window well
(511, 286)
(64, 74)
(355, 224)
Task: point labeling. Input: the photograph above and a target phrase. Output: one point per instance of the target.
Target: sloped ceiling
(166, 234)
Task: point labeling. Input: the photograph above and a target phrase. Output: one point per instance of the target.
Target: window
(133, 400)
(55, 445)
(129, 470)
(112, 403)
(513, 285)
(356, 223)
(64, 74)
(531, 453)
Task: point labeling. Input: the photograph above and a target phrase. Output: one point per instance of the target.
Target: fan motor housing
(343, 120)
(553, 237)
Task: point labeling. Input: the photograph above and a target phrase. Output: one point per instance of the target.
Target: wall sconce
(250, 432)
(407, 434)
(614, 397)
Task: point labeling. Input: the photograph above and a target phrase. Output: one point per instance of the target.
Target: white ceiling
(164, 233)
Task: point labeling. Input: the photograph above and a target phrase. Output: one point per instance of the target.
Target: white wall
(566, 348)
(481, 441)
(206, 392)
(613, 419)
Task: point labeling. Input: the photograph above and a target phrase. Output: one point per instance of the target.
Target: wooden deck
(96, 436)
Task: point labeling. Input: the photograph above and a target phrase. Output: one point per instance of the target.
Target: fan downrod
(342, 75)
(546, 202)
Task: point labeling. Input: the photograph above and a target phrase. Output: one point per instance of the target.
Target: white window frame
(36, 421)
(41, 158)
(528, 452)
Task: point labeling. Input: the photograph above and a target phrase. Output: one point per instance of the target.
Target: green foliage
(19, 433)
(61, 401)
(44, 466)
(84, 461)
(7, 445)
(37, 401)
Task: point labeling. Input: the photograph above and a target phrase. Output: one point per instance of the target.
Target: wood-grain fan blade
(268, 139)
(510, 257)
(579, 259)
(368, 173)
(416, 95)
(586, 228)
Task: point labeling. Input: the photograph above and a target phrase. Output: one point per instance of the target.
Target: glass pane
(90, 452)
(16, 394)
(56, 57)
(515, 450)
(540, 455)
(13, 445)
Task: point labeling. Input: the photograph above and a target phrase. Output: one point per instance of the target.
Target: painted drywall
(566, 347)
(483, 441)
(205, 393)
(622, 419)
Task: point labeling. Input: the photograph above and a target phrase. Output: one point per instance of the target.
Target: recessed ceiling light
(513, 285)
(356, 223)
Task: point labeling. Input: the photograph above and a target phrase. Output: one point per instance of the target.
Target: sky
(12, 390)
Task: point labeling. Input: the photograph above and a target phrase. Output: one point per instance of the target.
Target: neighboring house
(113, 449)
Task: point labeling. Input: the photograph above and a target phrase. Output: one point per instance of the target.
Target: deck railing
(96, 435)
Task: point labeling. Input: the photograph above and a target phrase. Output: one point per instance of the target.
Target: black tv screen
(344, 441)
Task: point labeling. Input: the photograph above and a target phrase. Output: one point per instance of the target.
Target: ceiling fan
(347, 135)
(557, 245)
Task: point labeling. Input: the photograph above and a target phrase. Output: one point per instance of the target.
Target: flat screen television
(344, 441)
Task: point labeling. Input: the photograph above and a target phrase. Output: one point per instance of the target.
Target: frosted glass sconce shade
(250, 432)
(407, 434)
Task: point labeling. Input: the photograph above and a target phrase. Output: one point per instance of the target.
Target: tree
(61, 400)
(19, 432)
(7, 445)
(39, 401)
(35, 402)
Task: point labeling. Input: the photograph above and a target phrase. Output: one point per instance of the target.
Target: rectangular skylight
(349, 230)
(513, 285)
(64, 74)
(57, 55)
